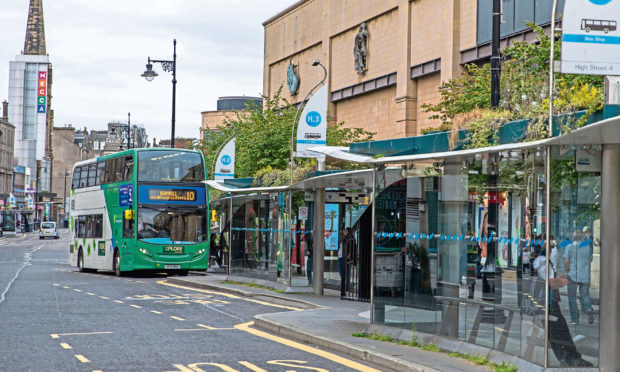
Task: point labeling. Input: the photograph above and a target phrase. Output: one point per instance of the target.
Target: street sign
(590, 37)
(303, 213)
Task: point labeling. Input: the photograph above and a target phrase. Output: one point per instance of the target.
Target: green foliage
(524, 93)
(442, 128)
(253, 285)
(483, 130)
(478, 360)
(264, 138)
(430, 347)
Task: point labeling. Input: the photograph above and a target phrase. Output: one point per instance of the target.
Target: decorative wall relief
(360, 51)
(292, 80)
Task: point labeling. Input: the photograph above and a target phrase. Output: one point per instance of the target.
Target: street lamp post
(301, 104)
(128, 130)
(292, 235)
(169, 66)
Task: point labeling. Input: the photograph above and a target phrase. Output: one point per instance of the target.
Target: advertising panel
(331, 227)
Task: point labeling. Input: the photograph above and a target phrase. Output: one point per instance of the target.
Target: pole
(373, 318)
(495, 65)
(128, 129)
(290, 194)
(548, 182)
(174, 89)
(64, 199)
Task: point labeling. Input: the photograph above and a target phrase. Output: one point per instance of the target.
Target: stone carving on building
(360, 51)
(292, 80)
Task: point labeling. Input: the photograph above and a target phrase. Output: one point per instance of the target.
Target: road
(54, 318)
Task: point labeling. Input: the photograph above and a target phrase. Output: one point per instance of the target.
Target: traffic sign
(303, 213)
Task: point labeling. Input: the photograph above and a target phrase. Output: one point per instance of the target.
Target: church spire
(35, 32)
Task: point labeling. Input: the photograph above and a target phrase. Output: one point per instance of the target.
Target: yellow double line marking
(246, 327)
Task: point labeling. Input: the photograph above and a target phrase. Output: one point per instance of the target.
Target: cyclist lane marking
(246, 327)
(230, 296)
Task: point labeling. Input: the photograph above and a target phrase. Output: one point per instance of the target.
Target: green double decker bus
(140, 209)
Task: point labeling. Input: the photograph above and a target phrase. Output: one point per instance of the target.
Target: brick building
(226, 107)
(407, 49)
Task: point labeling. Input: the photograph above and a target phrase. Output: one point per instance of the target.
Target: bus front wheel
(117, 264)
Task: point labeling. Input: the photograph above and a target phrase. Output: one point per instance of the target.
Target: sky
(99, 49)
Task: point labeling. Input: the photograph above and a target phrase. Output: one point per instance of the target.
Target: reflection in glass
(454, 247)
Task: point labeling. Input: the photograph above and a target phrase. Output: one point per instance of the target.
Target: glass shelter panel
(456, 242)
(255, 246)
(575, 232)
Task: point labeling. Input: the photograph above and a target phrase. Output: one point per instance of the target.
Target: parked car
(48, 229)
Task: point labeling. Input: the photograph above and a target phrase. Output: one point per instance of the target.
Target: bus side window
(84, 176)
(128, 168)
(128, 227)
(109, 171)
(101, 173)
(81, 227)
(98, 226)
(118, 169)
(75, 183)
(92, 175)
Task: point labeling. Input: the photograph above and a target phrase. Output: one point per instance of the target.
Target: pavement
(329, 322)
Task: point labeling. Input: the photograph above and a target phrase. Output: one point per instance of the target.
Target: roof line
(280, 14)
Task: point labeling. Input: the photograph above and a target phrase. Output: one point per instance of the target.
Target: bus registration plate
(172, 266)
(171, 249)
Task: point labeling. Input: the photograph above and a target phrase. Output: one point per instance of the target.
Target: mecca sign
(590, 37)
(42, 90)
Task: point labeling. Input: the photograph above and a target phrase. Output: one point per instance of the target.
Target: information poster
(331, 227)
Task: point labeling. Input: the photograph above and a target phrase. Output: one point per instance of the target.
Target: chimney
(5, 110)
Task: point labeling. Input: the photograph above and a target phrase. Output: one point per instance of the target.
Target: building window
(30, 101)
(516, 15)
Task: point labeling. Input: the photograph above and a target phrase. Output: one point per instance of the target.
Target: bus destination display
(172, 195)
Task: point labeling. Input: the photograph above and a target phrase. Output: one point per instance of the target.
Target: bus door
(127, 241)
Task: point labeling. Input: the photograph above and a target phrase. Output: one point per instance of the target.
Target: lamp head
(149, 74)
(316, 62)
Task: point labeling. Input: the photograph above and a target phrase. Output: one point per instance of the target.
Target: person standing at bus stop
(349, 253)
(309, 253)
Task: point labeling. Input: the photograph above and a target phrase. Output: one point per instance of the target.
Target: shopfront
(461, 237)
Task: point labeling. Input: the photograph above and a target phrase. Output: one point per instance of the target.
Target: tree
(263, 138)
(466, 101)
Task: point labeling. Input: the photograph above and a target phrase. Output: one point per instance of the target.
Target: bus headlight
(144, 251)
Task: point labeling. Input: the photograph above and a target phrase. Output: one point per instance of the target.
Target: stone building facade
(409, 48)
(66, 153)
(7, 138)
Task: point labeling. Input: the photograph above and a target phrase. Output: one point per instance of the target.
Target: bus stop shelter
(450, 228)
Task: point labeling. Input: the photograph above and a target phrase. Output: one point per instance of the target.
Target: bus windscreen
(170, 166)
